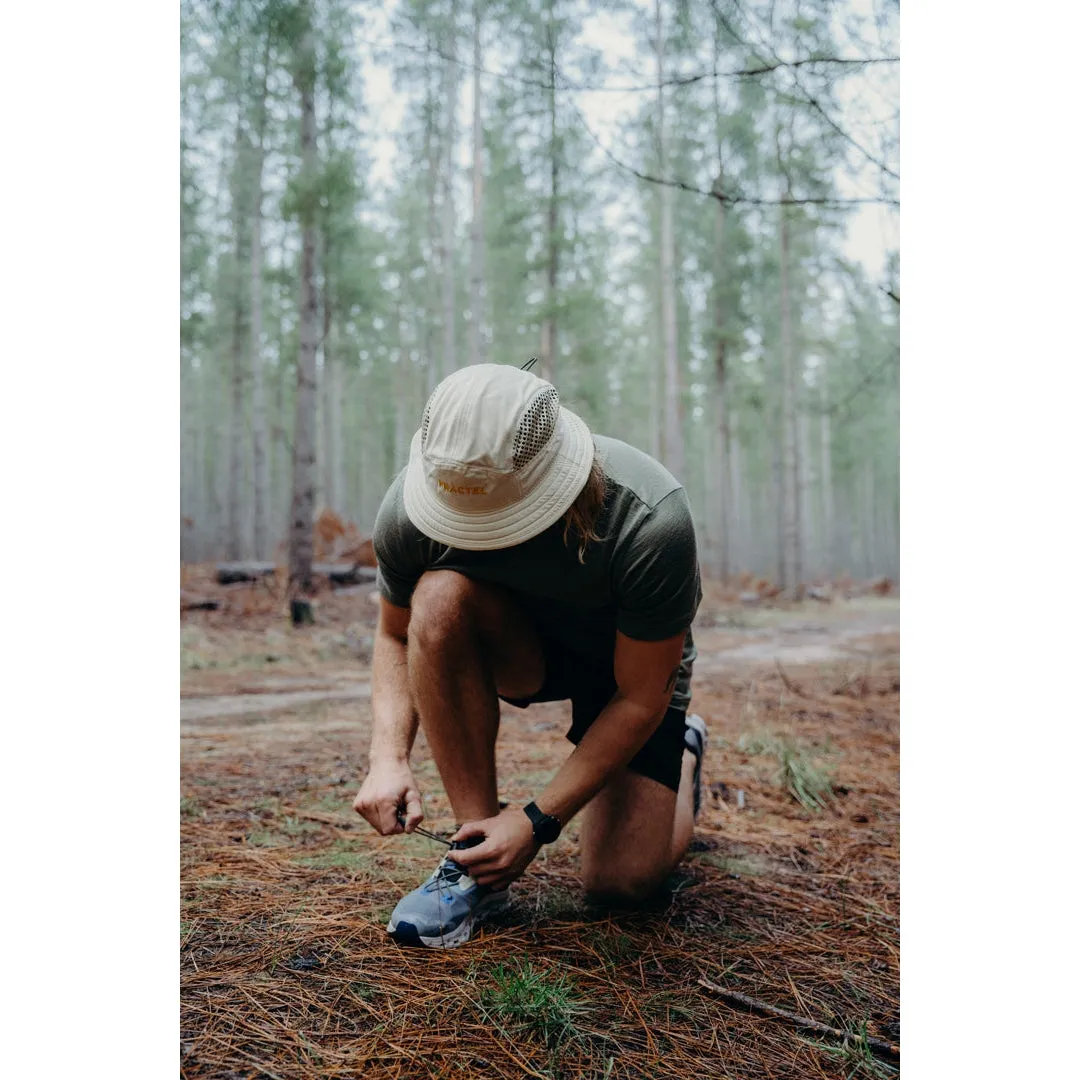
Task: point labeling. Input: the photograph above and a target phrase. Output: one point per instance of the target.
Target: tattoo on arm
(671, 680)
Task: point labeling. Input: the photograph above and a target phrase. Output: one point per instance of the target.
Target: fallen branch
(326, 819)
(337, 573)
(792, 685)
(878, 1046)
(190, 602)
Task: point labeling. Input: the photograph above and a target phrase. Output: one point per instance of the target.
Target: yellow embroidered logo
(457, 489)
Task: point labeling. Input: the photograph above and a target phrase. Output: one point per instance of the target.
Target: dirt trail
(285, 892)
(801, 640)
(756, 638)
(204, 708)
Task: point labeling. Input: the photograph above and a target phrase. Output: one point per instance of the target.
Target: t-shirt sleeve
(658, 582)
(399, 549)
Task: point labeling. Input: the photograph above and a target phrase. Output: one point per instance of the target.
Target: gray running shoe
(442, 912)
(696, 739)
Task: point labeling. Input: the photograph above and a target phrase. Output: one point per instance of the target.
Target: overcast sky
(868, 98)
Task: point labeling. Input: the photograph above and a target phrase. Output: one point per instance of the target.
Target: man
(521, 558)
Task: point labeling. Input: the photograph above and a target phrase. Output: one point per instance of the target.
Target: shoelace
(424, 832)
(447, 873)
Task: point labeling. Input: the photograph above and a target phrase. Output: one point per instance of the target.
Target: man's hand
(386, 788)
(509, 847)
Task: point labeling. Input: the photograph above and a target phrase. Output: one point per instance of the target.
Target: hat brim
(488, 530)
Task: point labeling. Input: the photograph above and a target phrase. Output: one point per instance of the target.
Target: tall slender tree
(674, 453)
(451, 79)
(303, 486)
(477, 348)
(260, 461)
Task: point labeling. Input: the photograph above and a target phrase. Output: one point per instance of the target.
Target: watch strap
(546, 827)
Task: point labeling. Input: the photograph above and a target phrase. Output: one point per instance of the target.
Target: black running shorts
(589, 687)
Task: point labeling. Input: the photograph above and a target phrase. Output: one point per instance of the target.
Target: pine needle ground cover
(789, 898)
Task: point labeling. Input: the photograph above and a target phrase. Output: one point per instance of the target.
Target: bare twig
(866, 381)
(790, 683)
(809, 99)
(724, 197)
(733, 997)
(566, 85)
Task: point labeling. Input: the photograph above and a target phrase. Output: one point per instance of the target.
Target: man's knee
(442, 607)
(610, 888)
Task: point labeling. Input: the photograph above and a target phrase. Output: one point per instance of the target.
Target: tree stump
(301, 612)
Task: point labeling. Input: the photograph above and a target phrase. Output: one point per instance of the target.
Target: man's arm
(645, 672)
(390, 782)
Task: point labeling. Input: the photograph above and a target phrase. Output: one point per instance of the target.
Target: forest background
(686, 210)
(989, 214)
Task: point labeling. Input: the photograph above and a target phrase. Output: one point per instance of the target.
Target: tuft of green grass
(557, 904)
(616, 948)
(341, 858)
(190, 807)
(742, 865)
(362, 990)
(808, 782)
(533, 1000)
(381, 913)
(284, 832)
(856, 1058)
(670, 1006)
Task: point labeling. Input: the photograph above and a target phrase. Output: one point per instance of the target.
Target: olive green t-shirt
(641, 578)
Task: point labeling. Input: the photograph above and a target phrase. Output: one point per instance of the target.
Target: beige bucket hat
(496, 461)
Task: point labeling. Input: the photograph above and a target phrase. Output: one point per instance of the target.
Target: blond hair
(583, 517)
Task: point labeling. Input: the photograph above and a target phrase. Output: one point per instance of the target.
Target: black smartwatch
(546, 828)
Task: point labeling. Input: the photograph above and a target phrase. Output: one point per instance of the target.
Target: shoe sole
(703, 734)
(405, 933)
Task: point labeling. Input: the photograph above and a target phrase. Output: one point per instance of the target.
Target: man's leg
(634, 832)
(468, 644)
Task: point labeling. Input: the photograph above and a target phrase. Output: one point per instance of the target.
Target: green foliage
(804, 778)
(380, 263)
(283, 832)
(524, 998)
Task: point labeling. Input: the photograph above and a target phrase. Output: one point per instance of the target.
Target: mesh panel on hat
(536, 428)
(425, 423)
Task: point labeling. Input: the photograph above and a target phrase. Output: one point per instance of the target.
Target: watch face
(546, 828)
(547, 831)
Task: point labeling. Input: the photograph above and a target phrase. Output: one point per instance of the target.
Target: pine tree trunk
(549, 327)
(201, 512)
(259, 458)
(674, 457)
(739, 513)
(188, 462)
(449, 267)
(301, 517)
(779, 499)
(436, 258)
(867, 530)
(828, 537)
(792, 548)
(805, 480)
(720, 395)
(476, 255)
(234, 549)
(282, 480)
(656, 421)
(218, 460)
(403, 395)
(331, 409)
(720, 400)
